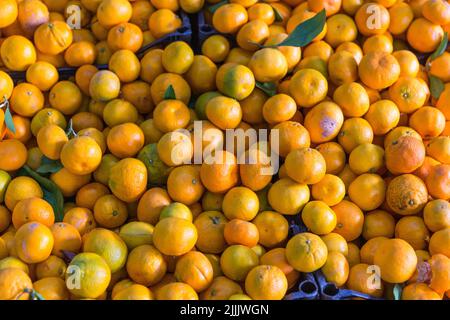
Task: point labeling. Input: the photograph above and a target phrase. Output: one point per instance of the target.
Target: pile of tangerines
(100, 198)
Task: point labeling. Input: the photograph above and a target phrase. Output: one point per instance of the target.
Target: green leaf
(306, 31)
(9, 120)
(52, 194)
(436, 86)
(441, 48)
(397, 291)
(170, 93)
(49, 165)
(213, 8)
(278, 16)
(269, 88)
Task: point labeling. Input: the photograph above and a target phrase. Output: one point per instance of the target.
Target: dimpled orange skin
(53, 37)
(240, 203)
(308, 87)
(292, 135)
(396, 259)
(21, 188)
(235, 80)
(221, 175)
(153, 262)
(26, 99)
(162, 22)
(252, 173)
(151, 203)
(210, 226)
(68, 182)
(349, 220)
(125, 140)
(352, 98)
(174, 236)
(318, 217)
(33, 209)
(125, 36)
(7, 85)
(221, 288)
(306, 252)
(111, 12)
(81, 155)
(176, 291)
(406, 194)
(13, 155)
(324, 122)
(9, 13)
(437, 181)
(17, 53)
(229, 18)
(128, 179)
(404, 155)
(277, 257)
(305, 165)
(170, 115)
(428, 121)
(254, 31)
(370, 185)
(272, 228)
(423, 35)
(440, 277)
(194, 269)
(81, 218)
(262, 59)
(187, 177)
(51, 139)
(409, 94)
(266, 282)
(379, 70)
(66, 238)
(288, 196)
(33, 242)
(104, 86)
(419, 291)
(13, 282)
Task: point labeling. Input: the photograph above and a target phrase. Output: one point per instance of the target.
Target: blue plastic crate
(205, 30)
(184, 33)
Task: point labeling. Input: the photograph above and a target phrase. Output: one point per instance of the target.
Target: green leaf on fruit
(306, 31)
(52, 193)
(8, 117)
(9, 120)
(441, 48)
(49, 166)
(268, 88)
(170, 93)
(278, 16)
(436, 86)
